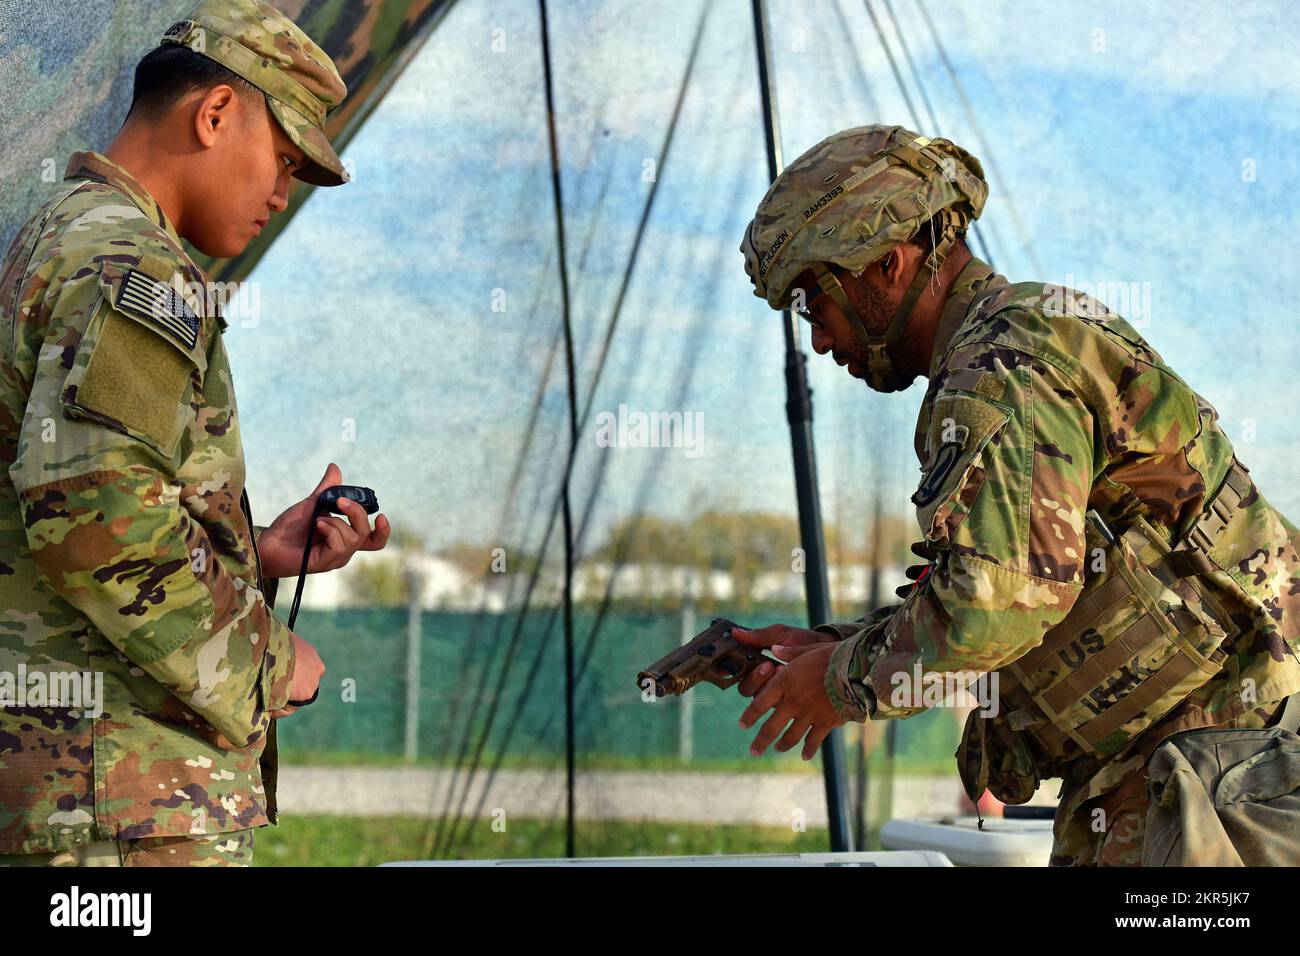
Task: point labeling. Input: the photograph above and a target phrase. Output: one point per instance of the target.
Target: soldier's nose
(821, 342)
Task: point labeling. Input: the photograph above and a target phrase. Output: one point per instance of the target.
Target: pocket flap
(1265, 776)
(132, 375)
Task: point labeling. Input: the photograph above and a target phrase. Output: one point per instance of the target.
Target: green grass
(367, 841)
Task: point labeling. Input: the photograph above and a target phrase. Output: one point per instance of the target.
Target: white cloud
(1188, 47)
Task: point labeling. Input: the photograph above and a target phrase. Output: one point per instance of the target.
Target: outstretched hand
(280, 545)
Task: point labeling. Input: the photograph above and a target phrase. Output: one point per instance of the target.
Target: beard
(876, 308)
(890, 381)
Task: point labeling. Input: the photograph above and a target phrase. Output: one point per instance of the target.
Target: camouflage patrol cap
(259, 43)
(853, 197)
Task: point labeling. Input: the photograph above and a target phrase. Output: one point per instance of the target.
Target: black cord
(453, 833)
(297, 593)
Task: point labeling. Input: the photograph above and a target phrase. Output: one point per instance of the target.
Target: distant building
(652, 582)
(444, 585)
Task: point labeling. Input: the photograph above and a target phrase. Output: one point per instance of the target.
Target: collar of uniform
(88, 165)
(974, 276)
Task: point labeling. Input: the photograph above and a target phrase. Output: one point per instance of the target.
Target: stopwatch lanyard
(297, 592)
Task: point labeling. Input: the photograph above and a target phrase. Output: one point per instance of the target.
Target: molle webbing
(1135, 643)
(1088, 606)
(1116, 654)
(1192, 557)
(1158, 694)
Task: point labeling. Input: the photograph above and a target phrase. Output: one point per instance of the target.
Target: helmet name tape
(823, 202)
(825, 198)
(772, 250)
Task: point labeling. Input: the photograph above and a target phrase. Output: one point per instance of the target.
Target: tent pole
(799, 414)
(570, 765)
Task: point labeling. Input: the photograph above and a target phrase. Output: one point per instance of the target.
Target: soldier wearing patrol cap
(1095, 545)
(127, 545)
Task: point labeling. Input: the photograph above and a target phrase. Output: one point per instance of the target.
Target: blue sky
(1119, 134)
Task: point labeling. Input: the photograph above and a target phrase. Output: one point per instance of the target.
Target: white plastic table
(1002, 842)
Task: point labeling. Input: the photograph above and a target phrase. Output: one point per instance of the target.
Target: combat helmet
(848, 201)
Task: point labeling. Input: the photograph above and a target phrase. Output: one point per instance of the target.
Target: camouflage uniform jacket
(1057, 406)
(126, 544)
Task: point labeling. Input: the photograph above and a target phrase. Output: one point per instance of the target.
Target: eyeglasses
(806, 314)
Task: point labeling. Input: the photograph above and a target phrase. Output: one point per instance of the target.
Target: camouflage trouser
(218, 849)
(1107, 830)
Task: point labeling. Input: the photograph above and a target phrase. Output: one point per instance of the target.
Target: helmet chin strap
(882, 374)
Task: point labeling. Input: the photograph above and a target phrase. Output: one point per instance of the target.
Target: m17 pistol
(713, 655)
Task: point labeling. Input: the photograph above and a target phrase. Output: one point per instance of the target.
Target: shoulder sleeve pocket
(961, 427)
(135, 369)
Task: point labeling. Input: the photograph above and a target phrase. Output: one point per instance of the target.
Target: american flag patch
(158, 301)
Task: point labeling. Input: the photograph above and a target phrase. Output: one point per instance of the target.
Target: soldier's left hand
(797, 694)
(280, 545)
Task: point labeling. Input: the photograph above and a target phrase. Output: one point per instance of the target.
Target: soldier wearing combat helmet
(1095, 544)
(127, 544)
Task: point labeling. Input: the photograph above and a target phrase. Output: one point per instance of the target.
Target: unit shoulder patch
(961, 426)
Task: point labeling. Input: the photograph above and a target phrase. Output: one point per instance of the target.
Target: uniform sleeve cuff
(269, 589)
(277, 667)
(839, 686)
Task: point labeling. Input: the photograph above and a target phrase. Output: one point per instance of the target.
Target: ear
(896, 266)
(215, 114)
